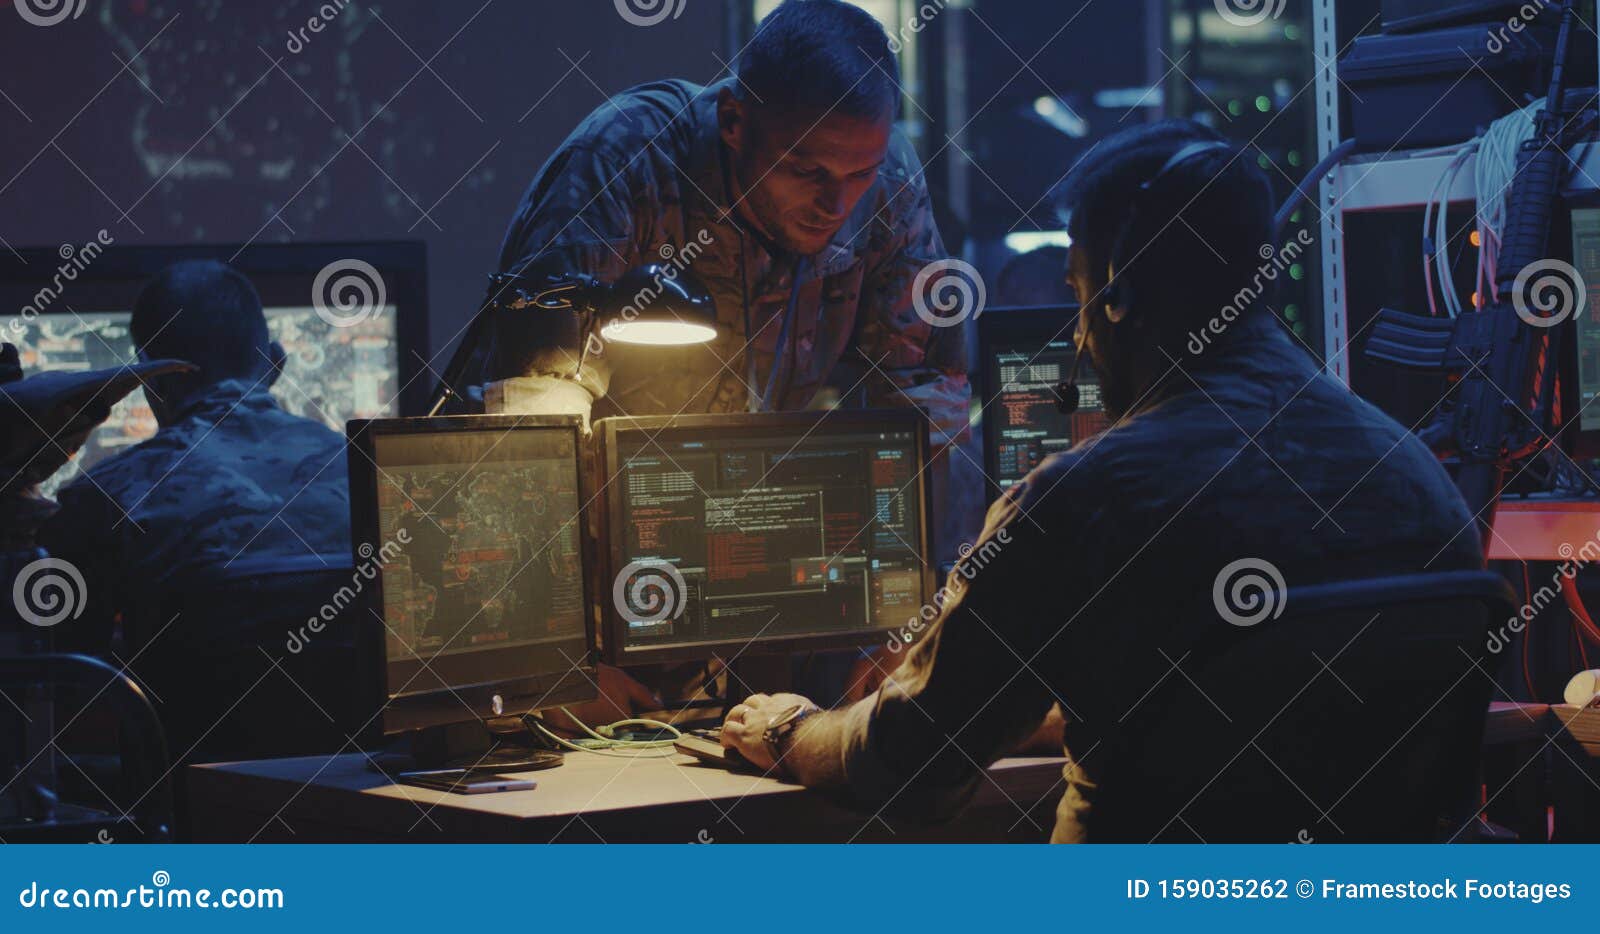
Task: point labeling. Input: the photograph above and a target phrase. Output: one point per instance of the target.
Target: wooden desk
(1511, 722)
(590, 799)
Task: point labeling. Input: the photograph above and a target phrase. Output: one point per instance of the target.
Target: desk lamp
(651, 305)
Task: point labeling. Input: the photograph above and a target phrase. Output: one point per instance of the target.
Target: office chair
(1357, 715)
(32, 809)
(234, 667)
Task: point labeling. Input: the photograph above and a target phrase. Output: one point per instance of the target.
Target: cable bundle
(1493, 171)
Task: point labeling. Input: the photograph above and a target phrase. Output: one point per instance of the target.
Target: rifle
(1501, 359)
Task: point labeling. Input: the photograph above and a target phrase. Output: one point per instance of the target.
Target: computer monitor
(341, 364)
(730, 534)
(1585, 335)
(1025, 354)
(475, 605)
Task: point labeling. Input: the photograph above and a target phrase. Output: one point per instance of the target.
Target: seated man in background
(1101, 573)
(230, 486)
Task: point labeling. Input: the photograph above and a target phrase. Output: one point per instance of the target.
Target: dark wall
(204, 139)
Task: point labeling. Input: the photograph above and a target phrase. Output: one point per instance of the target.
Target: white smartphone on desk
(463, 782)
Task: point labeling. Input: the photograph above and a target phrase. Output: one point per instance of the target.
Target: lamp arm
(550, 293)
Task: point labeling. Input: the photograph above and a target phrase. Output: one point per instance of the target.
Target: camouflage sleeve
(583, 214)
(915, 348)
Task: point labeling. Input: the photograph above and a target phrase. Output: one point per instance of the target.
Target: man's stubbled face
(798, 178)
(1111, 356)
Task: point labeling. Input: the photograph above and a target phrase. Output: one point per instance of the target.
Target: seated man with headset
(1242, 451)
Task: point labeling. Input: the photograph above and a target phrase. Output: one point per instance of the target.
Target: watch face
(788, 715)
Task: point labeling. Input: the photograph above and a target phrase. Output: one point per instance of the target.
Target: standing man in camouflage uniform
(787, 191)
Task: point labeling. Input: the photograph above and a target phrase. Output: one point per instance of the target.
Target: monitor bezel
(609, 528)
(1571, 436)
(460, 703)
(403, 264)
(998, 326)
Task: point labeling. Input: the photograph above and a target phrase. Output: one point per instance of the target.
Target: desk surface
(590, 799)
(1511, 722)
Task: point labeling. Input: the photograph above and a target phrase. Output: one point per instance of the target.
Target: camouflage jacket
(233, 478)
(641, 181)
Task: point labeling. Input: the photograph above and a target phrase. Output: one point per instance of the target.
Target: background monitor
(342, 363)
(1025, 354)
(471, 526)
(1586, 327)
(725, 534)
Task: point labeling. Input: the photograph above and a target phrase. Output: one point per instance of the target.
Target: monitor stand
(494, 746)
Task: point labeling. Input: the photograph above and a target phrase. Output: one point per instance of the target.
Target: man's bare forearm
(815, 757)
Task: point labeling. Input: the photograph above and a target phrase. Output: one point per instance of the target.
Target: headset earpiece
(1119, 291)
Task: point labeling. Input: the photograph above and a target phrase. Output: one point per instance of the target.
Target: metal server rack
(1325, 41)
(1396, 179)
(1525, 530)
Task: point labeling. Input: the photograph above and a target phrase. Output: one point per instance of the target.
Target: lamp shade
(658, 305)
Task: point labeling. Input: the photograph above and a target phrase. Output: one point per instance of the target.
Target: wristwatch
(781, 730)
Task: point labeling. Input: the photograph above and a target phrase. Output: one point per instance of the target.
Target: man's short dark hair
(204, 312)
(821, 56)
(1200, 235)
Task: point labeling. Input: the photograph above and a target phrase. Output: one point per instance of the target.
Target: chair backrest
(144, 787)
(252, 661)
(1357, 715)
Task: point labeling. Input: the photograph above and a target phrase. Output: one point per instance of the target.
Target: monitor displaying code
(481, 541)
(331, 374)
(1022, 422)
(734, 536)
(1586, 257)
